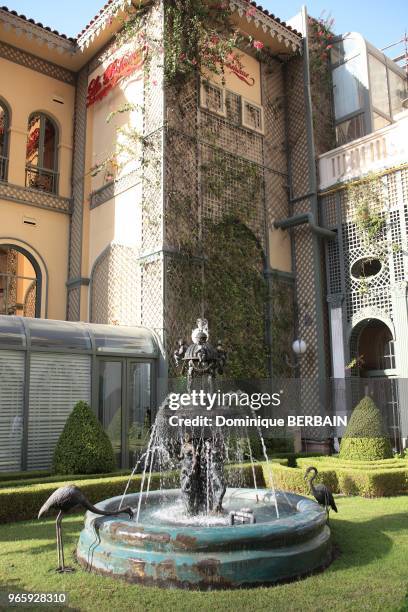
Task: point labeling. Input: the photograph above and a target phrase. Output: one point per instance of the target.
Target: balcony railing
(382, 149)
(42, 179)
(3, 168)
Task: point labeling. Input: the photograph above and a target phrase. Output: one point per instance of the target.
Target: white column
(338, 357)
(400, 317)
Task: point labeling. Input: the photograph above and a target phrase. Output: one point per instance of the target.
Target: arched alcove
(20, 282)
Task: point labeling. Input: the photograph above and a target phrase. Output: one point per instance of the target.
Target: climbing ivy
(235, 296)
(282, 325)
(366, 200)
(320, 37)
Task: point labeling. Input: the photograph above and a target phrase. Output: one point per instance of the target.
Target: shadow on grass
(362, 542)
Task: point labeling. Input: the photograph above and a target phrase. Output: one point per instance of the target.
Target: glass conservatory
(47, 366)
(369, 89)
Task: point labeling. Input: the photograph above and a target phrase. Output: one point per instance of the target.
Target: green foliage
(235, 295)
(379, 478)
(373, 483)
(83, 446)
(199, 37)
(23, 502)
(292, 479)
(379, 482)
(282, 326)
(57, 477)
(365, 448)
(364, 437)
(367, 200)
(15, 476)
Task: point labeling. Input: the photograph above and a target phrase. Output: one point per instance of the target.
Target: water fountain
(204, 534)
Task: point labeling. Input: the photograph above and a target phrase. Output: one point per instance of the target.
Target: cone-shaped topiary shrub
(83, 446)
(365, 437)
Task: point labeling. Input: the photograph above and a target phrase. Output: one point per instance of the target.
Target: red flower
(258, 44)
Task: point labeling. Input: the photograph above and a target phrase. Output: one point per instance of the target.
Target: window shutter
(11, 409)
(57, 382)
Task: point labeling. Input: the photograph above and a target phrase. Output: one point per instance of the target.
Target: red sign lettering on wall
(241, 74)
(117, 70)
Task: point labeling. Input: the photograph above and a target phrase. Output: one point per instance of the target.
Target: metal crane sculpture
(65, 499)
(321, 493)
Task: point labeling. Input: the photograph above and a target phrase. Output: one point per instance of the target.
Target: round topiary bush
(83, 446)
(365, 437)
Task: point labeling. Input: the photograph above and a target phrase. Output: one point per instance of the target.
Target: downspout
(302, 219)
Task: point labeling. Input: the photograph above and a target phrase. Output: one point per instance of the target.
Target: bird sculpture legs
(62, 568)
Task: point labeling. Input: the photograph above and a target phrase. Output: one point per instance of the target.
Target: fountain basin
(163, 549)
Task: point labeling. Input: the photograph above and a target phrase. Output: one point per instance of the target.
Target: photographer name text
(257, 421)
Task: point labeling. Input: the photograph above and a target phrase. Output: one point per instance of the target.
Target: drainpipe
(302, 219)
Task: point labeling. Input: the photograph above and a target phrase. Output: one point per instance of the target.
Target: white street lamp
(299, 347)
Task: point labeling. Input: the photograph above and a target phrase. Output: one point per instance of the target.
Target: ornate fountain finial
(200, 330)
(201, 358)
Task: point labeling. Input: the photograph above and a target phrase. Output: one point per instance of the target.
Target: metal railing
(3, 168)
(42, 179)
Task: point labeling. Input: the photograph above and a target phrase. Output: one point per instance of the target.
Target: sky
(381, 22)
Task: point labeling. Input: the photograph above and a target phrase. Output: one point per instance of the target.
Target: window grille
(213, 98)
(252, 116)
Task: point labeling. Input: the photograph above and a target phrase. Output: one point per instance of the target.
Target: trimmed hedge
(337, 463)
(58, 477)
(292, 479)
(365, 437)
(14, 476)
(23, 503)
(350, 478)
(83, 446)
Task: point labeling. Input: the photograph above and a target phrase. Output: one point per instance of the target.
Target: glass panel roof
(112, 338)
(59, 334)
(12, 331)
(66, 336)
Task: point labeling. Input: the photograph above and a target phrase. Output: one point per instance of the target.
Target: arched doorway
(375, 343)
(372, 349)
(20, 282)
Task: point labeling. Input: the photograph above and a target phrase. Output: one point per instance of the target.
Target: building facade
(130, 199)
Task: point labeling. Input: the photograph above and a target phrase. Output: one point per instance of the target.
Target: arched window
(4, 127)
(19, 283)
(41, 154)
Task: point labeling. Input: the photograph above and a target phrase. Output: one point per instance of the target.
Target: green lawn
(371, 572)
